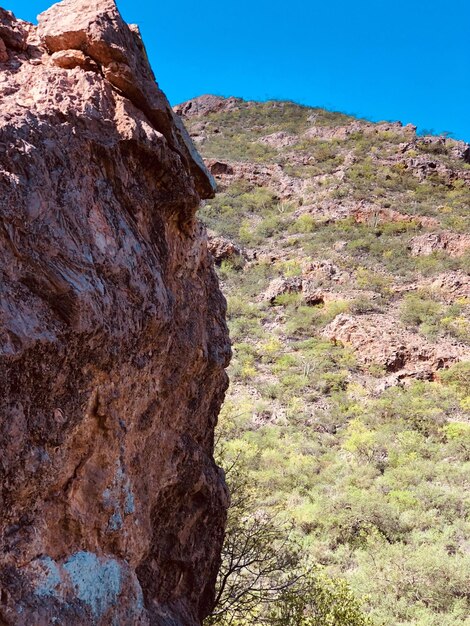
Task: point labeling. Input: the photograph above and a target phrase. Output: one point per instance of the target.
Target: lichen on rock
(113, 343)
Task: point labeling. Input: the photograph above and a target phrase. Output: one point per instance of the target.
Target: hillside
(343, 248)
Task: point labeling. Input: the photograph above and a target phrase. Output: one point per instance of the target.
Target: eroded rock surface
(454, 244)
(113, 342)
(203, 105)
(379, 340)
(222, 249)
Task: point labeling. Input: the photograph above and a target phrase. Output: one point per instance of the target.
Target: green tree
(263, 578)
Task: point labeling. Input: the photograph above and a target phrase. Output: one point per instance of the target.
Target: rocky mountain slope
(113, 339)
(344, 249)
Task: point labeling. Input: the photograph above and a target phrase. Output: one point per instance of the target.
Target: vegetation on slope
(365, 460)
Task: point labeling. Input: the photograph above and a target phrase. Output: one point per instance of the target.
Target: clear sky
(405, 60)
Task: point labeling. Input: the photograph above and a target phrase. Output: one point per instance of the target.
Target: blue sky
(405, 60)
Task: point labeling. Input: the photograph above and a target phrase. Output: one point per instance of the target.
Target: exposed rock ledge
(113, 342)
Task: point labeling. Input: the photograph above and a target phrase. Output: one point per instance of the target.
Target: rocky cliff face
(113, 342)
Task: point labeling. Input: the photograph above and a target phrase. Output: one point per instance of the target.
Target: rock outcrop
(379, 340)
(113, 342)
(222, 249)
(203, 105)
(454, 244)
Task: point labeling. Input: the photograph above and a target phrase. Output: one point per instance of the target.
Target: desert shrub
(271, 225)
(424, 581)
(303, 319)
(416, 310)
(420, 405)
(365, 305)
(231, 213)
(230, 266)
(458, 436)
(318, 600)
(324, 158)
(303, 224)
(434, 319)
(367, 279)
(289, 268)
(264, 577)
(370, 483)
(242, 148)
(458, 377)
(432, 147)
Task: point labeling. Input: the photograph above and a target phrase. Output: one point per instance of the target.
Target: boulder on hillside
(223, 249)
(203, 105)
(378, 339)
(281, 286)
(450, 286)
(466, 154)
(280, 139)
(453, 244)
(219, 168)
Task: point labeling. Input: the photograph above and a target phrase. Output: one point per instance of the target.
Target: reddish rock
(3, 51)
(222, 249)
(379, 339)
(113, 342)
(323, 270)
(12, 31)
(68, 59)
(272, 176)
(453, 244)
(203, 105)
(450, 286)
(280, 140)
(280, 286)
(373, 215)
(312, 294)
(218, 168)
(466, 154)
(310, 285)
(98, 30)
(363, 212)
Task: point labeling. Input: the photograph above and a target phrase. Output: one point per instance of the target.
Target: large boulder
(453, 244)
(113, 341)
(379, 340)
(204, 105)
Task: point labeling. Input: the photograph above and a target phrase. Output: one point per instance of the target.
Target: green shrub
(370, 483)
(416, 310)
(434, 319)
(458, 376)
(304, 224)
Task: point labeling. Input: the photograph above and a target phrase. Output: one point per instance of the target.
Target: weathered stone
(378, 339)
(366, 213)
(3, 51)
(280, 139)
(203, 105)
(222, 249)
(466, 154)
(313, 284)
(218, 168)
(454, 244)
(280, 286)
(97, 29)
(68, 59)
(450, 286)
(113, 342)
(12, 31)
